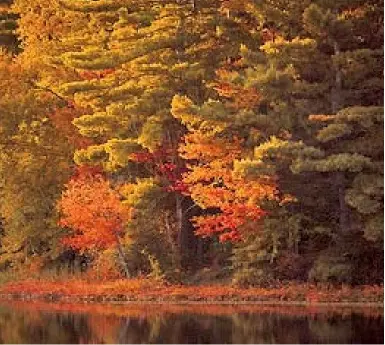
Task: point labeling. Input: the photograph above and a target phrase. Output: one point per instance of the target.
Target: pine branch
(47, 89)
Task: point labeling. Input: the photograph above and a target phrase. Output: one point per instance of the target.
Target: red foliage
(165, 164)
(86, 171)
(94, 211)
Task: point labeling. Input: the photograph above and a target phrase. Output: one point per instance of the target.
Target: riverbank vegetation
(218, 144)
(203, 309)
(145, 290)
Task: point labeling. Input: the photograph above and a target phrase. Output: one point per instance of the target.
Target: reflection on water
(32, 322)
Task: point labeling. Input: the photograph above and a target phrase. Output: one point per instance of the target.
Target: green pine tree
(324, 62)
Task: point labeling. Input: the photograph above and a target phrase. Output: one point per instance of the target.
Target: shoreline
(149, 309)
(144, 291)
(85, 300)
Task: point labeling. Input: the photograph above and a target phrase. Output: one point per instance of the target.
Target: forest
(230, 142)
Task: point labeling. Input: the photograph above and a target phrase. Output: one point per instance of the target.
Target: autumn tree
(36, 131)
(251, 122)
(93, 210)
(211, 181)
(35, 162)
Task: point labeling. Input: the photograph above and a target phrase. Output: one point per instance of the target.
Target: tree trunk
(340, 180)
(336, 97)
(179, 226)
(171, 241)
(199, 251)
(343, 208)
(122, 257)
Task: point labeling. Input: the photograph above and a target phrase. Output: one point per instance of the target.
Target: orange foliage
(213, 185)
(238, 96)
(321, 118)
(94, 211)
(89, 75)
(147, 290)
(354, 13)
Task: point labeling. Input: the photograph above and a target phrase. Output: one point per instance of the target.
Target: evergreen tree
(138, 57)
(325, 61)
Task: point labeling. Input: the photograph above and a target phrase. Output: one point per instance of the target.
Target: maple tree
(212, 185)
(211, 181)
(95, 212)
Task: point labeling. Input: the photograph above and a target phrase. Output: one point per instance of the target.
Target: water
(37, 322)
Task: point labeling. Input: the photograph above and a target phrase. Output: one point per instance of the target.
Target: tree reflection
(36, 323)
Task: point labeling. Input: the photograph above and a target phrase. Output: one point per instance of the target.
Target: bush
(333, 268)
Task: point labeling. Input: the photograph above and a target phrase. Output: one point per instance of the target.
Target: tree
(152, 51)
(252, 124)
(352, 144)
(316, 58)
(95, 212)
(35, 162)
(210, 178)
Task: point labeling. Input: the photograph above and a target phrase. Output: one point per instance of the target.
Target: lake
(39, 322)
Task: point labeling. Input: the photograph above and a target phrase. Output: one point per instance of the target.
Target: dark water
(23, 322)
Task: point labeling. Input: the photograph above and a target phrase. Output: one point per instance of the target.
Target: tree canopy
(241, 136)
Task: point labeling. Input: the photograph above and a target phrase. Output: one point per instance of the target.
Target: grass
(146, 290)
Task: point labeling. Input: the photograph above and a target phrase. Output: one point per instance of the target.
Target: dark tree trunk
(336, 97)
(340, 180)
(180, 227)
(199, 251)
(343, 207)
